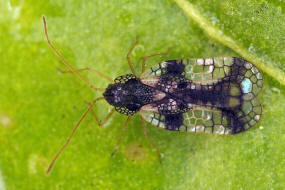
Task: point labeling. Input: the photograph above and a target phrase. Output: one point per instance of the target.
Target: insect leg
(121, 136)
(153, 55)
(149, 140)
(72, 133)
(101, 123)
(91, 70)
(65, 62)
(128, 57)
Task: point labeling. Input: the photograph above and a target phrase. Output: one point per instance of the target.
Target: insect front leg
(101, 75)
(153, 55)
(72, 133)
(121, 136)
(101, 123)
(128, 57)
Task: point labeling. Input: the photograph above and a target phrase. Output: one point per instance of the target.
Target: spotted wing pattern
(236, 79)
(207, 71)
(208, 120)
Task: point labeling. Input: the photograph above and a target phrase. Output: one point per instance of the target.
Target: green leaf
(268, 19)
(39, 106)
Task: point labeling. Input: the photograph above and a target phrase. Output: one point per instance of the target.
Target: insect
(206, 95)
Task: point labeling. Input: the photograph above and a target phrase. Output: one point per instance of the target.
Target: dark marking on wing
(173, 121)
(175, 67)
(234, 123)
(223, 90)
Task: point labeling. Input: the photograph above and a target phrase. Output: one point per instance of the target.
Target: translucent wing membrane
(208, 120)
(211, 70)
(220, 95)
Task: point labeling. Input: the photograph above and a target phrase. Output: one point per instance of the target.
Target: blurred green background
(39, 106)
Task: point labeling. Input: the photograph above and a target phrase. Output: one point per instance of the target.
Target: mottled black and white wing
(220, 94)
(208, 120)
(208, 71)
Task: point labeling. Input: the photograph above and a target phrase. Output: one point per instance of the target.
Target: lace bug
(207, 95)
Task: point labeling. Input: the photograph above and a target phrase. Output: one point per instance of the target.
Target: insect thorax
(128, 94)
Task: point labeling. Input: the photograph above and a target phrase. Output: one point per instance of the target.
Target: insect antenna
(66, 63)
(72, 133)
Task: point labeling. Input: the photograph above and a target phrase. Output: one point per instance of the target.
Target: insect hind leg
(121, 136)
(153, 55)
(149, 140)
